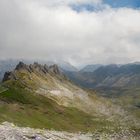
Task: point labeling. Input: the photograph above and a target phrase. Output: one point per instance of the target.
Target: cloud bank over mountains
(93, 32)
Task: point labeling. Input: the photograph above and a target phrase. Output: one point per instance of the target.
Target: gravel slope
(9, 131)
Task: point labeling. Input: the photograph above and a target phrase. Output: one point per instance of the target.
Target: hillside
(118, 83)
(41, 96)
(90, 68)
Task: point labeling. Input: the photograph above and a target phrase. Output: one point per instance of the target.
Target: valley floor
(9, 131)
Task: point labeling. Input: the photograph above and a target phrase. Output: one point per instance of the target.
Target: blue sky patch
(113, 3)
(85, 7)
(123, 3)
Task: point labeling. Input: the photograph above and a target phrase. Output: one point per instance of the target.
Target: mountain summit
(36, 67)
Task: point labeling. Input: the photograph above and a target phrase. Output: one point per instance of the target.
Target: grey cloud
(33, 29)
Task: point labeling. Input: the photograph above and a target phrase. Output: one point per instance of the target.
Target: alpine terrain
(41, 96)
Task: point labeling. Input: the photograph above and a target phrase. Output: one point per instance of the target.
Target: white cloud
(66, 2)
(40, 29)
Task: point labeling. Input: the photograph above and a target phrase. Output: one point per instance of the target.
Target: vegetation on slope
(128, 98)
(27, 109)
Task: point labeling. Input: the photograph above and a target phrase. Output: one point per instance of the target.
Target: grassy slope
(28, 109)
(128, 98)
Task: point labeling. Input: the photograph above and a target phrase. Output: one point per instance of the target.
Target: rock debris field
(9, 131)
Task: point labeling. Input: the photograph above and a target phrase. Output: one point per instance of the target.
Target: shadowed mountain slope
(108, 76)
(90, 68)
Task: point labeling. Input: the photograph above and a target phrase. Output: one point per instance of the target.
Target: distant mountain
(67, 66)
(118, 76)
(90, 68)
(63, 65)
(108, 76)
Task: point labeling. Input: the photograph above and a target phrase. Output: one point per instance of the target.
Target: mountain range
(127, 75)
(90, 68)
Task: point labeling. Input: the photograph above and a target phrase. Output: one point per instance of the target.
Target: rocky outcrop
(9, 76)
(54, 69)
(36, 67)
(21, 65)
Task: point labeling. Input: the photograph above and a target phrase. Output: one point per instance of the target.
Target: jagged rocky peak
(54, 69)
(46, 67)
(21, 65)
(32, 67)
(38, 67)
(9, 76)
(35, 67)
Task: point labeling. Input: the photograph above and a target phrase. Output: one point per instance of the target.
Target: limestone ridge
(42, 69)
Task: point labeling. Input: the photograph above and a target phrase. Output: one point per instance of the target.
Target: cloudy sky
(77, 31)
